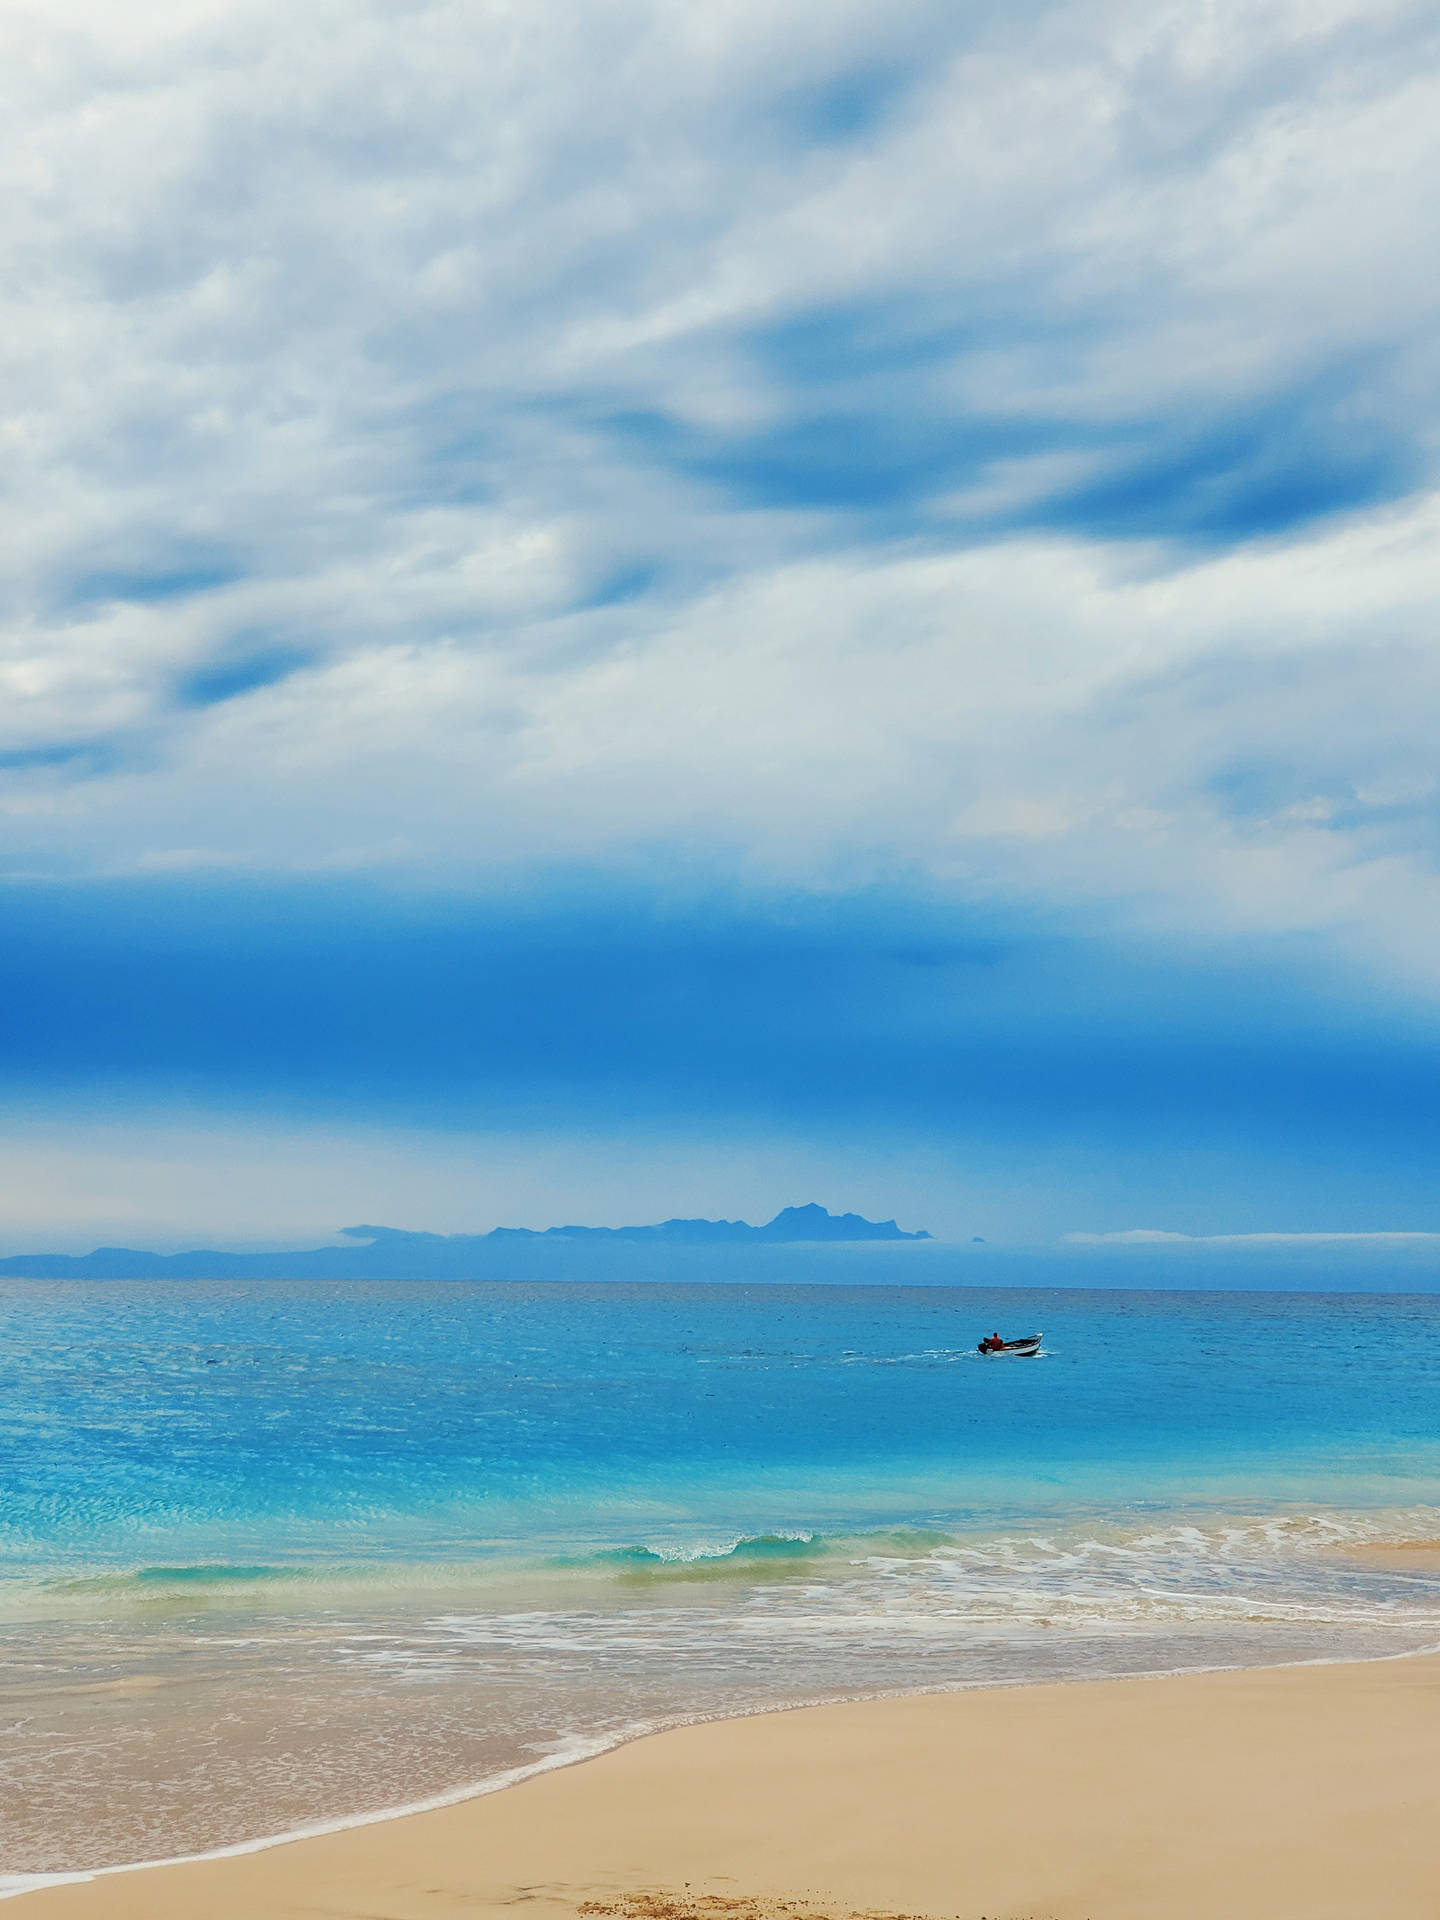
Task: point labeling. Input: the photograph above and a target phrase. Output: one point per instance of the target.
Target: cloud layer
(461, 375)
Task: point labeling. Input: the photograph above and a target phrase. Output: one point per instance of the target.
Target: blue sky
(615, 610)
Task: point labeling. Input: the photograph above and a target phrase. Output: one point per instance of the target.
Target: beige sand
(1292, 1794)
(1403, 1556)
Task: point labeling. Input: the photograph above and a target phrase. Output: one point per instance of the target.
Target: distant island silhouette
(396, 1253)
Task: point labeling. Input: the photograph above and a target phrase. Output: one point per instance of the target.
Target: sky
(618, 609)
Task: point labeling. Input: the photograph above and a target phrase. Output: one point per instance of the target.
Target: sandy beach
(1306, 1792)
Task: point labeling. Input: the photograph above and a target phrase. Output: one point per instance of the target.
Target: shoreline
(11, 1889)
(145, 1803)
(298, 1855)
(599, 1747)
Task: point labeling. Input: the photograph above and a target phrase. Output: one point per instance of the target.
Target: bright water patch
(270, 1554)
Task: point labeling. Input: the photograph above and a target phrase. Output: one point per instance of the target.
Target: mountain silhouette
(398, 1253)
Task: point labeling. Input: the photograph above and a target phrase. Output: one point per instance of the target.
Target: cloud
(1245, 746)
(840, 442)
(1154, 1237)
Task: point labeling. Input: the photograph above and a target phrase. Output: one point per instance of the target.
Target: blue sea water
(273, 1553)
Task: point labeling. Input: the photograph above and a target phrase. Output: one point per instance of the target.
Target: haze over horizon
(803, 1245)
(618, 612)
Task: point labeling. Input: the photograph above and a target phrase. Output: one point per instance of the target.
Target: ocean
(282, 1555)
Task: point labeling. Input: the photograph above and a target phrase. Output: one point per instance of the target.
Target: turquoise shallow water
(277, 1553)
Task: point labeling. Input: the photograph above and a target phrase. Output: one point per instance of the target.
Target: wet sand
(1308, 1793)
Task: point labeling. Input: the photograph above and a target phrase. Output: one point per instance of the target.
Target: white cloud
(1155, 1237)
(324, 311)
(1245, 745)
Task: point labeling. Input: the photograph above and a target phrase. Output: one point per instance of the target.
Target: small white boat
(1027, 1346)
